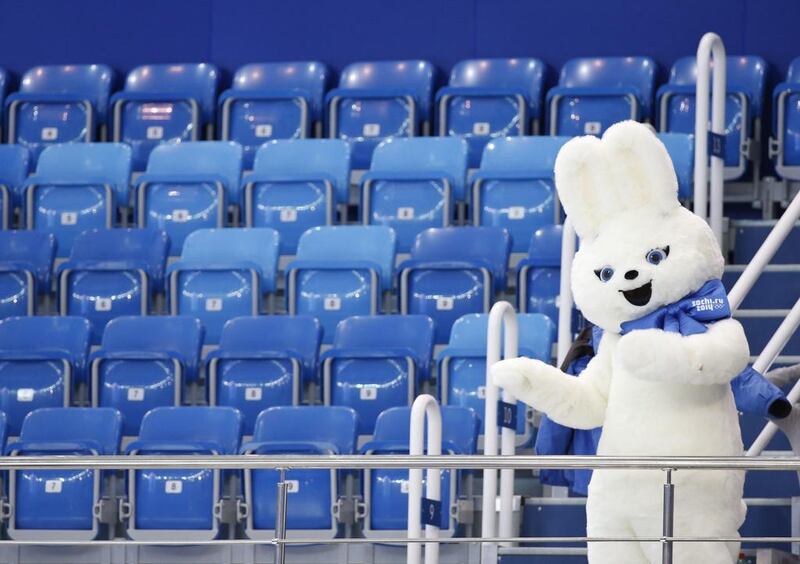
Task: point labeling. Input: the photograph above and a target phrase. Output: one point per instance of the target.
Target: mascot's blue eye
(605, 273)
(657, 255)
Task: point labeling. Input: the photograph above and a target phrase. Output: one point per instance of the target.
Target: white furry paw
(652, 354)
(515, 375)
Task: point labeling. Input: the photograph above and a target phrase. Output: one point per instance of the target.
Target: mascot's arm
(714, 357)
(574, 402)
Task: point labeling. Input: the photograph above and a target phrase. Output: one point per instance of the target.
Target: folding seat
(69, 505)
(487, 99)
(555, 517)
(143, 363)
(26, 261)
(514, 188)
(539, 274)
(14, 168)
(680, 147)
(263, 362)
(314, 495)
(750, 234)
(339, 272)
(42, 360)
(295, 185)
(453, 271)
(59, 104)
(377, 362)
(413, 184)
(77, 186)
(784, 143)
(745, 77)
(188, 186)
(3, 90)
(462, 364)
(110, 273)
(162, 103)
(180, 503)
(222, 274)
(386, 491)
(377, 100)
(595, 93)
(273, 101)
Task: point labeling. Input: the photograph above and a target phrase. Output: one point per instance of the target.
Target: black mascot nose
(631, 275)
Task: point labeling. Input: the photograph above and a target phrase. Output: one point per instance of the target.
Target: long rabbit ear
(628, 169)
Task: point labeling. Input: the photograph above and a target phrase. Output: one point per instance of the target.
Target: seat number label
(252, 394)
(431, 512)
(53, 486)
(25, 394)
(173, 486)
(180, 216)
(481, 392)
(155, 132)
(292, 486)
(214, 304)
(444, 303)
(516, 212)
(405, 213)
(49, 133)
(135, 394)
(371, 129)
(69, 218)
(332, 303)
(404, 486)
(368, 394)
(288, 215)
(481, 128)
(592, 127)
(264, 130)
(102, 304)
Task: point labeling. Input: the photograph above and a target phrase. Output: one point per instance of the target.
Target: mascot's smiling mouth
(639, 296)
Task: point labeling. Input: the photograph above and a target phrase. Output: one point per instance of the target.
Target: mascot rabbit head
(639, 248)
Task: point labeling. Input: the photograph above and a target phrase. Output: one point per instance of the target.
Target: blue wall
(230, 33)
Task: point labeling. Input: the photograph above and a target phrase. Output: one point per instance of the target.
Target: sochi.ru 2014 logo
(708, 304)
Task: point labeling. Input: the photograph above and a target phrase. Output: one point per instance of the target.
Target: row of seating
(412, 184)
(202, 504)
(484, 99)
(373, 363)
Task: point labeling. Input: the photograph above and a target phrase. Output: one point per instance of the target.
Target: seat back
(298, 334)
(376, 332)
(415, 76)
(15, 163)
(105, 163)
(196, 80)
(101, 426)
(3, 431)
(545, 246)
(523, 74)
(220, 426)
(216, 158)
(143, 248)
(536, 333)
(65, 334)
(522, 154)
(334, 425)
(306, 157)
(793, 72)
(459, 427)
(180, 335)
(3, 86)
(31, 247)
(89, 82)
(372, 243)
(308, 77)
(681, 151)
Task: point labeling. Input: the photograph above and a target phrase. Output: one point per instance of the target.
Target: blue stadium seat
(162, 103)
(77, 186)
(50, 505)
(339, 272)
(14, 167)
(312, 493)
(378, 100)
(3, 90)
(273, 101)
(182, 504)
(462, 364)
(188, 186)
(110, 273)
(26, 263)
(555, 517)
(42, 360)
(295, 185)
(453, 271)
(386, 491)
(222, 274)
(784, 145)
(263, 362)
(759, 327)
(595, 93)
(743, 108)
(514, 188)
(775, 288)
(59, 104)
(377, 362)
(413, 184)
(143, 363)
(539, 274)
(487, 99)
(680, 147)
(749, 235)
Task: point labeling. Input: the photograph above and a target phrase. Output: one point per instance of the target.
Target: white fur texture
(654, 393)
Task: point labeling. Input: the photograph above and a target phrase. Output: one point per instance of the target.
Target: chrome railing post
(668, 518)
(280, 518)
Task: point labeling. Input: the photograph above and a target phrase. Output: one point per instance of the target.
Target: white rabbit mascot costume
(647, 273)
